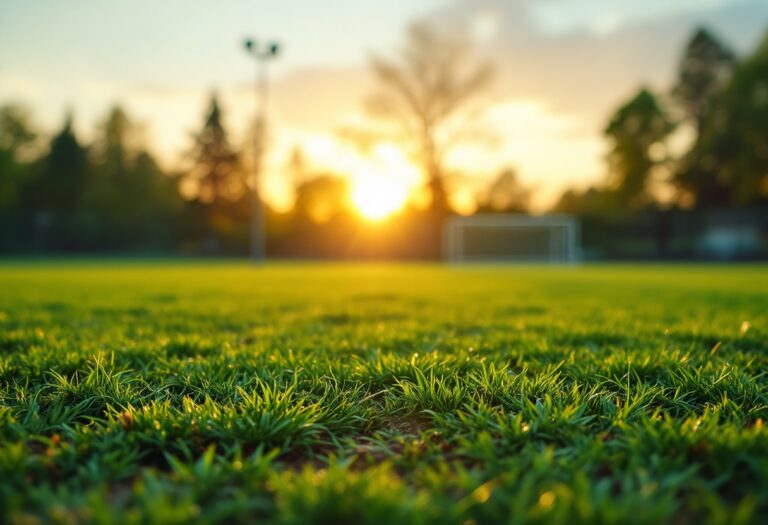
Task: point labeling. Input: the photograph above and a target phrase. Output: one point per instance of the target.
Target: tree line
(721, 102)
(112, 195)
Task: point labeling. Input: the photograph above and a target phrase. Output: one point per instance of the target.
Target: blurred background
(143, 128)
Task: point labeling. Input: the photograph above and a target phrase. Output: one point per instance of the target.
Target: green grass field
(221, 393)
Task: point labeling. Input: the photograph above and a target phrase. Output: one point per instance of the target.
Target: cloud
(589, 65)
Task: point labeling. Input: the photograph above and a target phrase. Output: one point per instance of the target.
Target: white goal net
(512, 238)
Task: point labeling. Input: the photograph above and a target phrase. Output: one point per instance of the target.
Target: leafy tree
(425, 91)
(704, 71)
(636, 131)
(129, 202)
(16, 134)
(732, 151)
(17, 140)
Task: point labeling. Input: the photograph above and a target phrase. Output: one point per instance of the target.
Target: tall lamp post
(263, 53)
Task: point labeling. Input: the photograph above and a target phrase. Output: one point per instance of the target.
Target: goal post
(553, 238)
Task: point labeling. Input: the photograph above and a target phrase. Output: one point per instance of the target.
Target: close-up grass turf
(371, 393)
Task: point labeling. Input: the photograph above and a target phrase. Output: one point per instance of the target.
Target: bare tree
(425, 91)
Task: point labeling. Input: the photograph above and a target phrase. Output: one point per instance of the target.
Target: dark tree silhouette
(108, 197)
(112, 150)
(704, 70)
(64, 172)
(732, 150)
(54, 191)
(634, 131)
(155, 202)
(128, 203)
(593, 201)
(16, 140)
(216, 174)
(16, 133)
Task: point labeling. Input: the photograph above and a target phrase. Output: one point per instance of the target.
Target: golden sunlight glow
(382, 179)
(528, 146)
(377, 197)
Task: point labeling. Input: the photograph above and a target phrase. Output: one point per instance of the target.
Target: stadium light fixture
(262, 53)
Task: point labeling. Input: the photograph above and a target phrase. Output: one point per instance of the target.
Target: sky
(562, 67)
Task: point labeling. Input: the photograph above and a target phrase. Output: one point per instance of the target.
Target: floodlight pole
(262, 54)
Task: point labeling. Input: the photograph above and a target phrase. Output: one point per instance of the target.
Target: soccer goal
(512, 238)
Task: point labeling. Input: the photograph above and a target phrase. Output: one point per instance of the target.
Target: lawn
(135, 392)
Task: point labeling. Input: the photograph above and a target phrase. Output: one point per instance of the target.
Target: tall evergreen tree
(216, 175)
(63, 173)
(108, 198)
(215, 184)
(134, 201)
(53, 195)
(113, 148)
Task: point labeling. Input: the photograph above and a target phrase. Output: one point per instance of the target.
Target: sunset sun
(377, 197)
